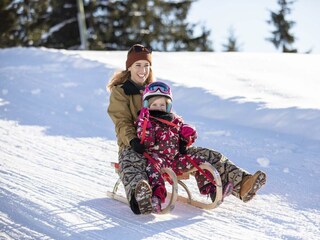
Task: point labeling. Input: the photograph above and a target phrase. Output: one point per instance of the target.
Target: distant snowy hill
(56, 144)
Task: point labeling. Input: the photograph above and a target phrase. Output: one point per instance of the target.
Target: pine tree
(50, 23)
(176, 34)
(22, 22)
(63, 26)
(8, 25)
(232, 44)
(282, 38)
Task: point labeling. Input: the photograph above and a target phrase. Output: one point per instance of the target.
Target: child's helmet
(157, 89)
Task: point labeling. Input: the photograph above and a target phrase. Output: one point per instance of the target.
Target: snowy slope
(57, 142)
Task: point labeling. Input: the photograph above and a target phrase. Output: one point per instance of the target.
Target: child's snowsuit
(162, 144)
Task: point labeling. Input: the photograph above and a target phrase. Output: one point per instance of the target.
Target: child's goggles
(155, 86)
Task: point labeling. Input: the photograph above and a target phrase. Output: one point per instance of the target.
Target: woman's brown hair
(121, 76)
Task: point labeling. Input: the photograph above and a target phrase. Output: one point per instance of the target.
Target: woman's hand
(137, 146)
(182, 147)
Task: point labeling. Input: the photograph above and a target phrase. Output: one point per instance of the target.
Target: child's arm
(144, 128)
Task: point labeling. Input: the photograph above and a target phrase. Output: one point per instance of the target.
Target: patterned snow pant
(228, 171)
(133, 168)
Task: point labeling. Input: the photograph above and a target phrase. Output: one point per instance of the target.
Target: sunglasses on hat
(139, 48)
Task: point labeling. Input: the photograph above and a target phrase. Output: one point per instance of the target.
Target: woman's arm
(120, 113)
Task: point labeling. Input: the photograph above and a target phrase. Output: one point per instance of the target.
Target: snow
(57, 142)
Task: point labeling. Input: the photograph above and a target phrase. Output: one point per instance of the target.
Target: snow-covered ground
(57, 141)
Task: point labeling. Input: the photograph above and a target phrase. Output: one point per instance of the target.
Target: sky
(57, 144)
(248, 19)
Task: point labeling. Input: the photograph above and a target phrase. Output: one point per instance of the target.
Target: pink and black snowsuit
(162, 140)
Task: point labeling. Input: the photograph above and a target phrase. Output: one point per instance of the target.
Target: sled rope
(165, 121)
(209, 178)
(144, 129)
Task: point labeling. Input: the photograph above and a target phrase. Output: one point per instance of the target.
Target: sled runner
(174, 181)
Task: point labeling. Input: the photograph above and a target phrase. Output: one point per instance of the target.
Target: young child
(166, 137)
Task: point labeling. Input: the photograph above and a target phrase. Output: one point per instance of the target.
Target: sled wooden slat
(174, 190)
(196, 203)
(117, 197)
(183, 176)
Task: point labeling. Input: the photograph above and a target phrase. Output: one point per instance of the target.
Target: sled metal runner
(173, 196)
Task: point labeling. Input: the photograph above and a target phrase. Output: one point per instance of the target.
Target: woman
(125, 101)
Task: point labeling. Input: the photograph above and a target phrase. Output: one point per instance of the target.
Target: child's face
(159, 104)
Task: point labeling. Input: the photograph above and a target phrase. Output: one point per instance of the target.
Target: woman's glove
(137, 146)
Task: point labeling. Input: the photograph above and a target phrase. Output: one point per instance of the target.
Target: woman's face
(140, 71)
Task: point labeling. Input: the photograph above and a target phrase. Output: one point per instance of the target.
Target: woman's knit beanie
(138, 52)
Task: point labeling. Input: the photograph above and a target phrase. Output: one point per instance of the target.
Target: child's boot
(143, 195)
(251, 184)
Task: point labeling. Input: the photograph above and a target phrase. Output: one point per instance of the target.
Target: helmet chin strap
(145, 104)
(169, 107)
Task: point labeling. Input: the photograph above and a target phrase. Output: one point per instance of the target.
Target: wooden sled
(173, 196)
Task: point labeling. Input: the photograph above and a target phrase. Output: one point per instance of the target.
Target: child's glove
(188, 134)
(137, 146)
(144, 116)
(144, 113)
